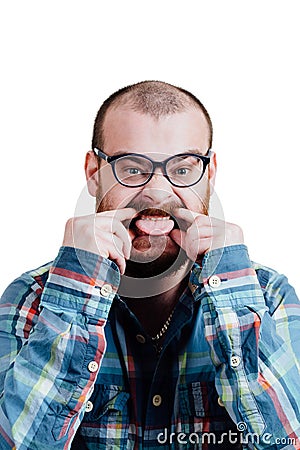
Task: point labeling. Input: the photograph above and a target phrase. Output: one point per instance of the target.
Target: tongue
(155, 227)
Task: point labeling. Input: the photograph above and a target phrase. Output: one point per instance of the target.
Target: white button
(214, 281)
(140, 338)
(93, 366)
(235, 361)
(106, 290)
(156, 400)
(89, 406)
(220, 402)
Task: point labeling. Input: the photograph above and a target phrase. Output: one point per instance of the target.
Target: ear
(91, 169)
(212, 171)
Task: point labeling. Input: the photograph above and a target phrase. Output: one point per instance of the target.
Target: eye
(132, 170)
(132, 166)
(182, 171)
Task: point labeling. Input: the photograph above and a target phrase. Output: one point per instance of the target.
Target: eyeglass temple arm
(209, 153)
(100, 154)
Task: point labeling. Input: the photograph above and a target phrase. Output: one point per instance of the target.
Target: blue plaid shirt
(78, 371)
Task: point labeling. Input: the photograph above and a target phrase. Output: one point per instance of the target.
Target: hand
(102, 233)
(204, 233)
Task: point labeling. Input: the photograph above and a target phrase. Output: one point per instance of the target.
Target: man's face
(126, 131)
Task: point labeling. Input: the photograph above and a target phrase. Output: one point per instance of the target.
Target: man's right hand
(102, 233)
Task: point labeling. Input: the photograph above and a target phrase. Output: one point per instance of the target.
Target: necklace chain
(164, 328)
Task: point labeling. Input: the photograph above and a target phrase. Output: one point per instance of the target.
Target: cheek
(114, 195)
(196, 198)
(106, 178)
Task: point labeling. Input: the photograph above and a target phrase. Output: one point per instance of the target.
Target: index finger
(120, 214)
(186, 214)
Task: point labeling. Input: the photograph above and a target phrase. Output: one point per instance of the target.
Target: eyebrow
(196, 151)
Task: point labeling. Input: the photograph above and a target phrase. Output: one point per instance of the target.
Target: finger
(186, 218)
(181, 239)
(122, 233)
(204, 246)
(117, 257)
(201, 223)
(105, 241)
(191, 238)
(109, 224)
(198, 231)
(193, 244)
(186, 214)
(178, 236)
(119, 214)
(192, 216)
(200, 236)
(131, 234)
(214, 231)
(114, 250)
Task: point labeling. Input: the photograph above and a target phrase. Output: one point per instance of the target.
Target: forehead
(130, 131)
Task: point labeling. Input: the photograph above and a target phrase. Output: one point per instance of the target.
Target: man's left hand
(204, 233)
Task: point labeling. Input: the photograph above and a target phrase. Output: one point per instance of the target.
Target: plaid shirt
(78, 371)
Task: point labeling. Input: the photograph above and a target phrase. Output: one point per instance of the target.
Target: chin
(146, 249)
(155, 260)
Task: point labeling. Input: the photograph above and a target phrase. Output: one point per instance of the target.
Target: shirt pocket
(199, 399)
(199, 409)
(202, 418)
(107, 423)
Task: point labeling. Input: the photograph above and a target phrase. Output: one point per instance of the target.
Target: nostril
(157, 197)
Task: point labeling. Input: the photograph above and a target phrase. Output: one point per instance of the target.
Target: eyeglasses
(135, 170)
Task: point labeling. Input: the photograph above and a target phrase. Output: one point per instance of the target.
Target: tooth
(155, 218)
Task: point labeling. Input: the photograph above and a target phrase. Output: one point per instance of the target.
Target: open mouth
(153, 222)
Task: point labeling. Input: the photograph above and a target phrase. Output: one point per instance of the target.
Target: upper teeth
(155, 218)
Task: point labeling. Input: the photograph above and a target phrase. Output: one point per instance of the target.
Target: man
(152, 328)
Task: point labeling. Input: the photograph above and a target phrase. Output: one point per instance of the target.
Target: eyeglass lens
(181, 170)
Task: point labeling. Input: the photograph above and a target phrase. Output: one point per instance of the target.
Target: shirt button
(214, 281)
(106, 290)
(235, 361)
(89, 406)
(93, 366)
(157, 400)
(140, 338)
(220, 402)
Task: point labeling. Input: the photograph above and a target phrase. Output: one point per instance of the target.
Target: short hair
(155, 98)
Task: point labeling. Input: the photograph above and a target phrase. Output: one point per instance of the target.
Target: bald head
(155, 98)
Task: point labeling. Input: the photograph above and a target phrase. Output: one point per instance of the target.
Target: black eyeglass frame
(160, 164)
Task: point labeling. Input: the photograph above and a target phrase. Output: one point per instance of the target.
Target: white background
(61, 59)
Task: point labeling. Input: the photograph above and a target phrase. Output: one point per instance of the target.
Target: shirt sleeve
(51, 346)
(252, 324)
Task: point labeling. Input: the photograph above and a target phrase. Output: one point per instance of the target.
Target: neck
(153, 302)
(142, 288)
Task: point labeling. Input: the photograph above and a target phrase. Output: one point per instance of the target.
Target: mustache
(147, 208)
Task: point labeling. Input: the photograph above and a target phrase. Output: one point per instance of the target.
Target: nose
(158, 189)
